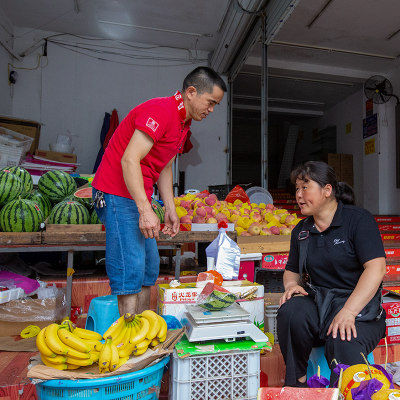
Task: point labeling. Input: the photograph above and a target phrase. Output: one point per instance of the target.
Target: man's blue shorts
(131, 260)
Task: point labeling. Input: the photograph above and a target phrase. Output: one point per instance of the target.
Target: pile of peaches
(249, 219)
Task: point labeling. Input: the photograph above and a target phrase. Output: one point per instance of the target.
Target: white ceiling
(310, 69)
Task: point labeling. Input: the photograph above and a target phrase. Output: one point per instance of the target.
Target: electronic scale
(229, 324)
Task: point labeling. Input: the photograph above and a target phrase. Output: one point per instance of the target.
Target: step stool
(103, 311)
(317, 357)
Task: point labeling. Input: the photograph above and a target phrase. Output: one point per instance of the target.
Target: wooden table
(72, 238)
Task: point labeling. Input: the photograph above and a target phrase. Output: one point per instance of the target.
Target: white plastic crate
(13, 146)
(11, 294)
(233, 376)
(270, 321)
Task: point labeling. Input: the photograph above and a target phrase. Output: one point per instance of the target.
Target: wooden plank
(192, 236)
(74, 238)
(19, 238)
(78, 228)
(264, 244)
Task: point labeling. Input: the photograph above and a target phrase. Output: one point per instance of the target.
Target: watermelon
(69, 212)
(21, 216)
(94, 218)
(215, 298)
(158, 209)
(41, 200)
(25, 177)
(56, 185)
(11, 187)
(84, 195)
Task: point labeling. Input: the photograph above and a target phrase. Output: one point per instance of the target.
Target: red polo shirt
(163, 120)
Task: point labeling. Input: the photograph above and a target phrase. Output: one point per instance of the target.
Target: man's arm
(165, 187)
(138, 147)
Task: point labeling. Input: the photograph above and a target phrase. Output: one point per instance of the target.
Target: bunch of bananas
(66, 347)
(131, 334)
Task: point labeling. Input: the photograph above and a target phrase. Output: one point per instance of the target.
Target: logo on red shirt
(153, 125)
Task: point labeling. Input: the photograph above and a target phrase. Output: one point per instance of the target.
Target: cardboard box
(391, 304)
(56, 156)
(18, 314)
(274, 260)
(26, 127)
(334, 162)
(172, 301)
(343, 166)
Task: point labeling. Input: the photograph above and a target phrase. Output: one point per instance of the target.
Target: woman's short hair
(323, 174)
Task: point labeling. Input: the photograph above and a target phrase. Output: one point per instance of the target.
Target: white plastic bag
(226, 254)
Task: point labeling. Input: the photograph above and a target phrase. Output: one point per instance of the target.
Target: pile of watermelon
(56, 200)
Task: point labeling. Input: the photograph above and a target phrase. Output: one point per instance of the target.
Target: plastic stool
(103, 311)
(317, 357)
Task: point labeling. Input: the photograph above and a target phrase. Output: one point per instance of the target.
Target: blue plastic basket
(144, 384)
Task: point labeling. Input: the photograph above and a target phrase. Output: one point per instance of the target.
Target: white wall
(71, 92)
(6, 29)
(349, 111)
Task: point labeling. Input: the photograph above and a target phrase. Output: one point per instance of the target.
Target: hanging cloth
(103, 133)
(114, 122)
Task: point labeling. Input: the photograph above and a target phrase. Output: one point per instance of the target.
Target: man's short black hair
(203, 79)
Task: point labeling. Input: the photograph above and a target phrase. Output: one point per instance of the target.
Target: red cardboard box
(387, 218)
(390, 236)
(274, 260)
(389, 227)
(391, 304)
(392, 269)
(392, 253)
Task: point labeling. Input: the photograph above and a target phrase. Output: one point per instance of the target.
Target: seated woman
(333, 276)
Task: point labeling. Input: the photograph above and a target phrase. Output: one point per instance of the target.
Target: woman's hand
(290, 292)
(344, 323)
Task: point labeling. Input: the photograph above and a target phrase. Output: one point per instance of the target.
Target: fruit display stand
(72, 238)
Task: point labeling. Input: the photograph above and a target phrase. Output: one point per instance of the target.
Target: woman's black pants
(298, 333)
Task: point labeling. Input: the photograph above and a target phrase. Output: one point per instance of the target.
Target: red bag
(237, 193)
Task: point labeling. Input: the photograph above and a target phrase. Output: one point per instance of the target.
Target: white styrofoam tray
(11, 294)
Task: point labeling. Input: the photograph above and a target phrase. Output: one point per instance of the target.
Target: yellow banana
(59, 359)
(125, 339)
(93, 344)
(114, 358)
(87, 334)
(163, 327)
(126, 351)
(72, 366)
(68, 324)
(42, 346)
(152, 317)
(98, 346)
(129, 317)
(118, 339)
(162, 339)
(56, 366)
(155, 342)
(143, 344)
(77, 354)
(138, 352)
(115, 328)
(122, 361)
(105, 356)
(80, 362)
(53, 341)
(94, 356)
(142, 333)
(70, 340)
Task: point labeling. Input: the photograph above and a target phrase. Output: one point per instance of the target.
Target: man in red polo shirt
(139, 154)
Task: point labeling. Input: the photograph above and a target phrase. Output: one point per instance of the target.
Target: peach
(198, 220)
(201, 195)
(275, 230)
(286, 231)
(245, 233)
(220, 216)
(210, 211)
(210, 200)
(185, 204)
(266, 231)
(190, 212)
(254, 229)
(290, 218)
(257, 217)
(186, 219)
(201, 211)
(211, 220)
